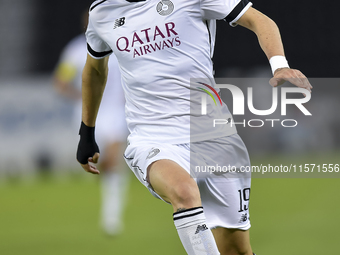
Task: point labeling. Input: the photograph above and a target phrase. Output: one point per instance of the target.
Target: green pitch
(53, 217)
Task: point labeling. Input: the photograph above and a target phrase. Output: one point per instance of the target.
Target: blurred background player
(111, 130)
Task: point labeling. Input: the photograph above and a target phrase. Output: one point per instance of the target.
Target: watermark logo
(204, 97)
(238, 100)
(239, 104)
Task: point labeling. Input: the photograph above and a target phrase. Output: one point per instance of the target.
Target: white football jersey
(163, 47)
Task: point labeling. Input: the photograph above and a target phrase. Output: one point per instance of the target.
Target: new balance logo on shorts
(119, 22)
(152, 153)
(244, 218)
(201, 228)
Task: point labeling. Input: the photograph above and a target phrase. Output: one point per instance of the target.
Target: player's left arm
(270, 41)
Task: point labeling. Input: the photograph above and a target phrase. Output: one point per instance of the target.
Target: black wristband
(87, 146)
(86, 131)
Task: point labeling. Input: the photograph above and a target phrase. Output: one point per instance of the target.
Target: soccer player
(164, 50)
(111, 127)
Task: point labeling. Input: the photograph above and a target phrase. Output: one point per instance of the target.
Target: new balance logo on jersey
(201, 228)
(119, 22)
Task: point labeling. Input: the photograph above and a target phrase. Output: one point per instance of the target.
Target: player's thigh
(164, 170)
(226, 202)
(232, 241)
(173, 183)
(225, 195)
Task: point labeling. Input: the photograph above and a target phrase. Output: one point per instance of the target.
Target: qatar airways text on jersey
(149, 40)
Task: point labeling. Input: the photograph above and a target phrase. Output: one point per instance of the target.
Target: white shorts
(224, 194)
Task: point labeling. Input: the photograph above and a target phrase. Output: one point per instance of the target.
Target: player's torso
(168, 37)
(160, 46)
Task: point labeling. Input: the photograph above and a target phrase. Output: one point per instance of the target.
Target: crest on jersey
(165, 7)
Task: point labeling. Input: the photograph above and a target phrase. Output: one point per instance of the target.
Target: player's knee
(244, 252)
(235, 252)
(240, 250)
(186, 195)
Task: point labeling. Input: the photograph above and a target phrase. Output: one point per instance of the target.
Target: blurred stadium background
(49, 206)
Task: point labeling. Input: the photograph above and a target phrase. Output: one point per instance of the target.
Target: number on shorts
(244, 199)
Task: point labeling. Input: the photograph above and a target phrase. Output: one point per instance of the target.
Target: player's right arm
(93, 84)
(269, 38)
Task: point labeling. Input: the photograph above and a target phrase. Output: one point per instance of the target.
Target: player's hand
(90, 168)
(88, 151)
(294, 76)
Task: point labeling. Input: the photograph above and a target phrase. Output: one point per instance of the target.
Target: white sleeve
(96, 47)
(230, 10)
